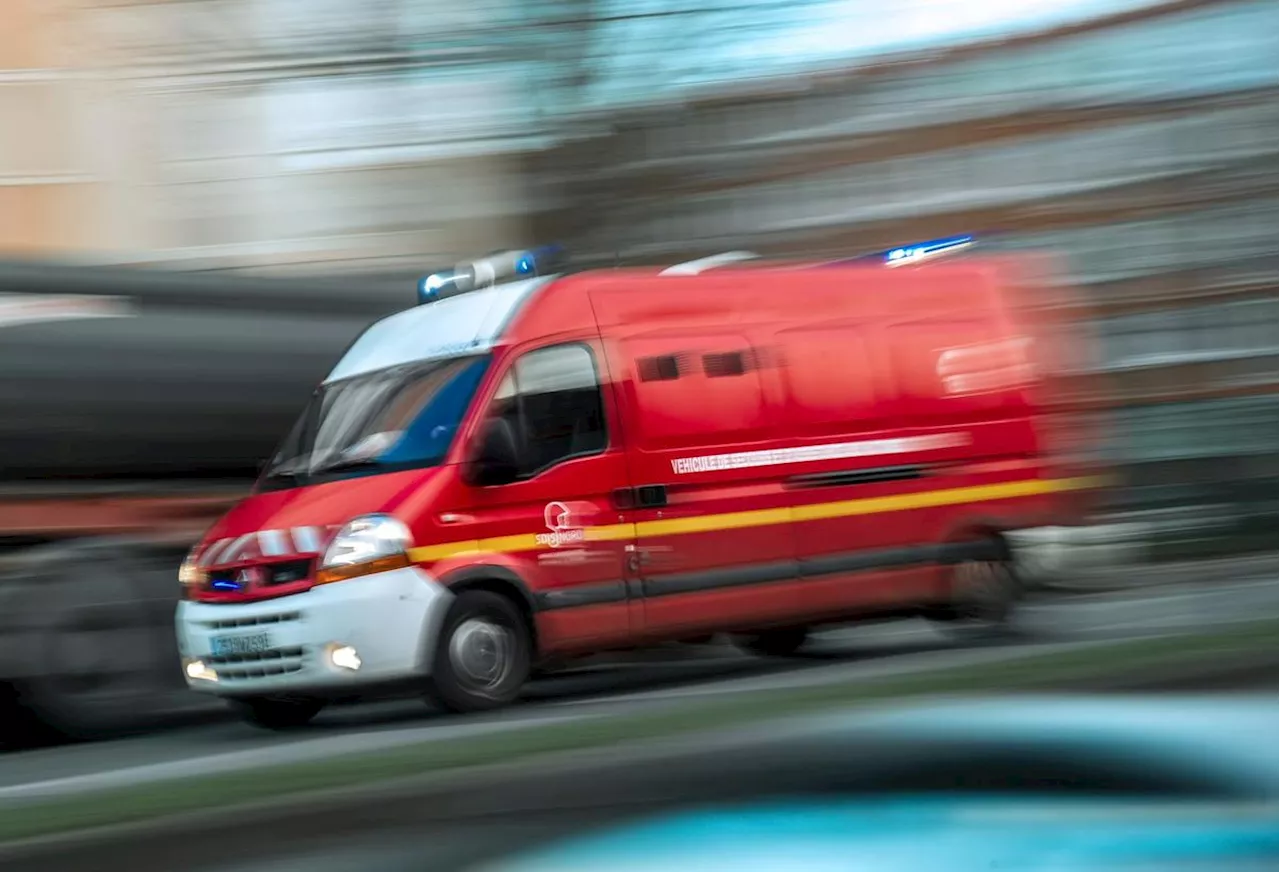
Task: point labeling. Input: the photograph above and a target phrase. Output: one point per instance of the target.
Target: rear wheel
(483, 656)
(275, 713)
(773, 643)
(984, 598)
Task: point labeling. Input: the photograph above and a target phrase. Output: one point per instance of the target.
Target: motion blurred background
(363, 143)
(203, 202)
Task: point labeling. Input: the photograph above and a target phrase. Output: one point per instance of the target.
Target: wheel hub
(481, 652)
(983, 589)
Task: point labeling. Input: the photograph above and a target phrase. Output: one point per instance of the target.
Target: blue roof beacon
(908, 255)
(486, 271)
(918, 252)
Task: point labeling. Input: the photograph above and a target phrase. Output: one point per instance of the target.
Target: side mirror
(494, 459)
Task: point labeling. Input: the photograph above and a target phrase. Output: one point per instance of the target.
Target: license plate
(230, 646)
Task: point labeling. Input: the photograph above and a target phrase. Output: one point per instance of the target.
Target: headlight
(374, 543)
(190, 575)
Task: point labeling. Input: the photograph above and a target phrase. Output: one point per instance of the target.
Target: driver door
(556, 523)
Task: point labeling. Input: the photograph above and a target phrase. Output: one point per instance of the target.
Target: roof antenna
(693, 267)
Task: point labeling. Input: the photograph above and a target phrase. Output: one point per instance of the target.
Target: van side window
(552, 399)
(666, 367)
(725, 365)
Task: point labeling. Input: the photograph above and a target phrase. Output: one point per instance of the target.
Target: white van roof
(469, 323)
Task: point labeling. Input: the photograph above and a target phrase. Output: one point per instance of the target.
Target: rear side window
(553, 401)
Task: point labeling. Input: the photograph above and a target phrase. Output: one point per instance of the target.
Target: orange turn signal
(368, 567)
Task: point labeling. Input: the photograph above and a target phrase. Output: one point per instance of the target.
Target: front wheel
(773, 643)
(272, 713)
(483, 656)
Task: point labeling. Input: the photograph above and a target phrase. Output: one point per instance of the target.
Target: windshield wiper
(342, 464)
(281, 475)
(292, 470)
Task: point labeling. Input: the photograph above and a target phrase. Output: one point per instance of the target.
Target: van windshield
(401, 417)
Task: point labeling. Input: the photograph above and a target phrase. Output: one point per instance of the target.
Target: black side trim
(611, 592)
(859, 476)
(863, 561)
(732, 576)
(816, 567)
(601, 593)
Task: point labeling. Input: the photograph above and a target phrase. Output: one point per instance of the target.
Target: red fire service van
(527, 467)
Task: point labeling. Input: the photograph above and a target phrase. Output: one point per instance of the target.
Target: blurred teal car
(914, 834)
(1034, 785)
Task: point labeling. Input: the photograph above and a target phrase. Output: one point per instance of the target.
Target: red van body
(642, 457)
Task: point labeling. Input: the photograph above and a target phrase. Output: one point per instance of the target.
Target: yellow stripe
(713, 523)
(508, 544)
(766, 517)
(432, 553)
(610, 532)
(927, 500)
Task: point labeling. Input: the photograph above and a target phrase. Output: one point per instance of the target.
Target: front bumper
(390, 619)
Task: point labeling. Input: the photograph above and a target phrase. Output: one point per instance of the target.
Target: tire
(483, 656)
(984, 599)
(20, 728)
(271, 713)
(773, 643)
(103, 657)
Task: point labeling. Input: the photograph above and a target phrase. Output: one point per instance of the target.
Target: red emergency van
(519, 471)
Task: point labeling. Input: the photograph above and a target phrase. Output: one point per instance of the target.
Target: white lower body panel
(286, 645)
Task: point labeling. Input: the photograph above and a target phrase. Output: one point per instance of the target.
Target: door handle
(645, 553)
(648, 496)
(455, 518)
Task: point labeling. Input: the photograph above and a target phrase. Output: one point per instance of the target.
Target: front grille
(236, 623)
(287, 572)
(256, 656)
(261, 664)
(273, 574)
(265, 670)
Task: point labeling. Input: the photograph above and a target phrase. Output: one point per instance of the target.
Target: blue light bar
(430, 288)
(527, 264)
(918, 251)
(495, 268)
(539, 261)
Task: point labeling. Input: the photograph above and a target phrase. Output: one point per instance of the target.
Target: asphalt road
(667, 674)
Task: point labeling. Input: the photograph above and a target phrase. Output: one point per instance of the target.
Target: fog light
(197, 671)
(344, 657)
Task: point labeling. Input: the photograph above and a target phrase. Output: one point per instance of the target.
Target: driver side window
(551, 398)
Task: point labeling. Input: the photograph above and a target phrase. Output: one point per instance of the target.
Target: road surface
(640, 682)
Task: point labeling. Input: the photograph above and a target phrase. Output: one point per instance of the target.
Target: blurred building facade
(265, 134)
(1136, 138)
(1142, 147)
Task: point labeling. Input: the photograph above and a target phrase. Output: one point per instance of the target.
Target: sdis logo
(564, 528)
